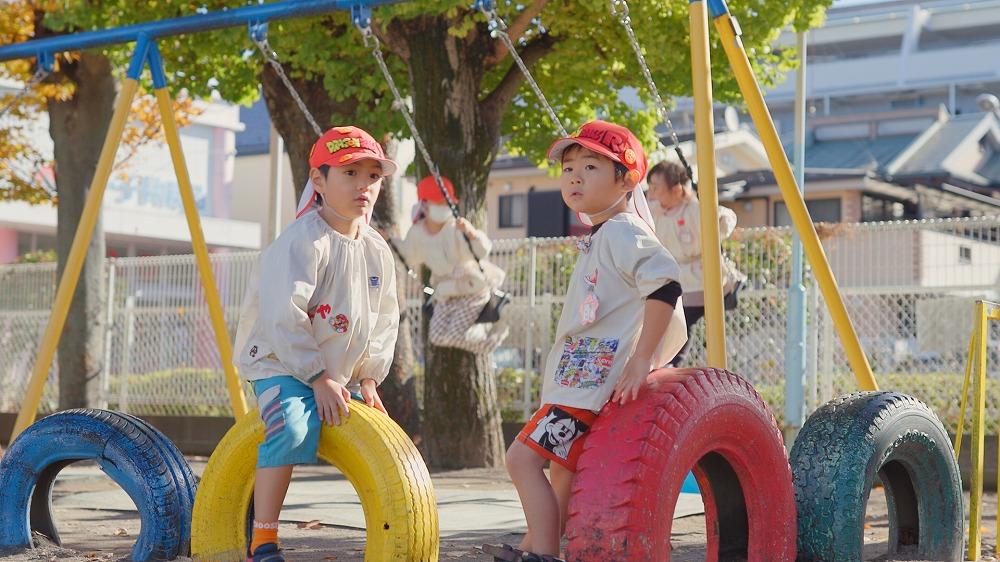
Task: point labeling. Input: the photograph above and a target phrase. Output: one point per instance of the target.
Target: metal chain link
(619, 9)
(260, 40)
(40, 74)
(372, 42)
(499, 29)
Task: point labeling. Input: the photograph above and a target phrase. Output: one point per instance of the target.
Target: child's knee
(521, 459)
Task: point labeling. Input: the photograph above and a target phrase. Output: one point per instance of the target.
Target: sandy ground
(90, 535)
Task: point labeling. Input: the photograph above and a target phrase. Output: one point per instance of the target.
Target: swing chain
(41, 73)
(258, 34)
(619, 9)
(498, 29)
(372, 42)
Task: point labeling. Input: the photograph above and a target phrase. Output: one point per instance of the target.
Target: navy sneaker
(268, 552)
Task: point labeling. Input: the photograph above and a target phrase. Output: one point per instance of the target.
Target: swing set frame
(146, 53)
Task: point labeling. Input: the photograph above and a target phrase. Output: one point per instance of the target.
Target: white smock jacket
(454, 272)
(679, 230)
(320, 301)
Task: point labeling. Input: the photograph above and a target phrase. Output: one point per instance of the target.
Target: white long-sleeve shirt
(320, 301)
(624, 264)
(454, 272)
(679, 230)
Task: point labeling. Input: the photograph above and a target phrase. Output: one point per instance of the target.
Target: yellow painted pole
(966, 381)
(236, 397)
(708, 195)
(733, 45)
(978, 435)
(74, 262)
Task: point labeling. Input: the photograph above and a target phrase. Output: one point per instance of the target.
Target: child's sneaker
(268, 552)
(532, 557)
(502, 552)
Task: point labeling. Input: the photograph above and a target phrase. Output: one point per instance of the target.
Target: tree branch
(516, 30)
(504, 93)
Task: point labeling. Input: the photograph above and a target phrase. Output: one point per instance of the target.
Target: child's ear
(316, 177)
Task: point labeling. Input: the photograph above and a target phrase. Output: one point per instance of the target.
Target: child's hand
(370, 394)
(331, 400)
(465, 226)
(632, 380)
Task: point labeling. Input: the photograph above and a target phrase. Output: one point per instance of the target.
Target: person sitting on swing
(462, 287)
(677, 215)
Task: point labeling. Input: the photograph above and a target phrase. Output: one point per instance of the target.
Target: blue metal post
(186, 24)
(795, 329)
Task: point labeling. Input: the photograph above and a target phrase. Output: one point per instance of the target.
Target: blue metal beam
(717, 8)
(188, 24)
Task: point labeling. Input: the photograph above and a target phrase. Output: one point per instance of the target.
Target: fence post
(529, 337)
(102, 399)
(812, 347)
(127, 357)
(826, 359)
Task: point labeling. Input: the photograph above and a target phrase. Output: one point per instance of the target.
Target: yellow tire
(373, 452)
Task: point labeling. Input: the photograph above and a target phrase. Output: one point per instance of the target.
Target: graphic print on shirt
(586, 362)
(590, 304)
(271, 412)
(557, 431)
(339, 323)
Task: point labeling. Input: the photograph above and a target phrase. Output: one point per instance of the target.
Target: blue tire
(133, 454)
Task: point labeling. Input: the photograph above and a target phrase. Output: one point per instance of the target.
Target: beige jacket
(454, 272)
(586, 360)
(679, 230)
(320, 301)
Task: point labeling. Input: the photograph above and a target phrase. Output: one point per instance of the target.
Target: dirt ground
(91, 535)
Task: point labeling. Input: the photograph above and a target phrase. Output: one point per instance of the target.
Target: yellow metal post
(74, 262)
(236, 397)
(966, 381)
(978, 433)
(708, 195)
(733, 45)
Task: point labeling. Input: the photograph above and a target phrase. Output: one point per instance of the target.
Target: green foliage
(582, 75)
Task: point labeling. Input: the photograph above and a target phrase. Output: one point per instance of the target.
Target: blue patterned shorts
(291, 423)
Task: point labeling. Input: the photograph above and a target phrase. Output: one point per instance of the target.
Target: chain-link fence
(909, 288)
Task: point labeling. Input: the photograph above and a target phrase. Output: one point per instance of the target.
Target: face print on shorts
(557, 431)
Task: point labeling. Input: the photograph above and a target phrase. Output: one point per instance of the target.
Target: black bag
(731, 299)
(491, 310)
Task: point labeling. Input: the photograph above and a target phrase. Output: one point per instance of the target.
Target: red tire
(637, 456)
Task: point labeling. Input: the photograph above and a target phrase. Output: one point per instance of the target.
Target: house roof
(930, 156)
(858, 154)
(256, 137)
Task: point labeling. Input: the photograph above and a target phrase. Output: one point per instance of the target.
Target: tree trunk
(462, 414)
(78, 126)
(398, 391)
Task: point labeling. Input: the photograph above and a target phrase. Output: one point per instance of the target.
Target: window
(821, 210)
(964, 255)
(512, 210)
(875, 208)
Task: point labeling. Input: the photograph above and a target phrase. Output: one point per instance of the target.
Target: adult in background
(677, 216)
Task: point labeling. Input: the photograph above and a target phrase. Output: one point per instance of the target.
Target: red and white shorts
(557, 433)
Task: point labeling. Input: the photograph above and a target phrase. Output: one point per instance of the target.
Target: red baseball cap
(610, 140)
(428, 190)
(340, 146)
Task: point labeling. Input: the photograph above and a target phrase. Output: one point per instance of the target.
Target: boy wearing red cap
(320, 320)
(437, 239)
(620, 320)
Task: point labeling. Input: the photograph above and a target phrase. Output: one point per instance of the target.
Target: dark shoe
(532, 557)
(502, 552)
(268, 552)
